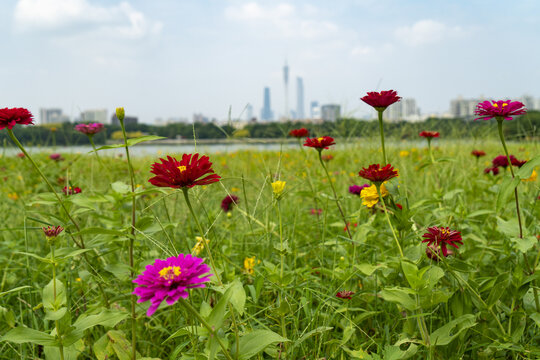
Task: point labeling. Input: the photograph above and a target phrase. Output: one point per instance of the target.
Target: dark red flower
(494, 170)
(399, 206)
(478, 153)
(228, 202)
(381, 100)
(357, 189)
(502, 160)
(320, 142)
(21, 155)
(499, 109)
(56, 157)
(10, 117)
(429, 134)
(54, 231)
(299, 133)
(440, 237)
(376, 174)
(516, 162)
(434, 253)
(184, 173)
(69, 190)
(344, 294)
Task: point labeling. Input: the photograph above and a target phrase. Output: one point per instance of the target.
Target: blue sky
(165, 58)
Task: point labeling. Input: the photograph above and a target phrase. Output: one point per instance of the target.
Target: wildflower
(320, 143)
(10, 117)
(502, 160)
(478, 153)
(499, 109)
(277, 187)
(357, 189)
(199, 246)
(89, 129)
(69, 190)
(381, 100)
(404, 153)
(518, 163)
(316, 211)
(228, 202)
(533, 176)
(21, 155)
(370, 197)
(184, 173)
(52, 232)
(378, 175)
(344, 294)
(348, 226)
(56, 157)
(249, 265)
(120, 113)
(494, 170)
(440, 237)
(327, 157)
(429, 134)
(13, 196)
(299, 133)
(399, 206)
(170, 279)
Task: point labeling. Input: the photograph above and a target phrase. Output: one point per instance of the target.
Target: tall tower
(286, 83)
(266, 111)
(299, 98)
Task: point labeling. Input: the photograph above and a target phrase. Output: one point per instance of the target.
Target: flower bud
(120, 113)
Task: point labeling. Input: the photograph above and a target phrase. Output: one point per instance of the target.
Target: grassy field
(282, 261)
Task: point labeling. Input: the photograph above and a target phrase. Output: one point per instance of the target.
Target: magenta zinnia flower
(357, 189)
(345, 294)
(439, 237)
(52, 232)
(228, 202)
(299, 133)
(184, 173)
(381, 100)
(56, 157)
(378, 175)
(170, 279)
(320, 143)
(499, 109)
(89, 129)
(10, 117)
(70, 190)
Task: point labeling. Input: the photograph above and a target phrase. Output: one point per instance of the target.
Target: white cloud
(119, 20)
(428, 31)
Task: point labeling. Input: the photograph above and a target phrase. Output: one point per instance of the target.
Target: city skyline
(165, 59)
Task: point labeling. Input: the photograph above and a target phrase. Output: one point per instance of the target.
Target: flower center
(182, 168)
(320, 139)
(169, 272)
(504, 104)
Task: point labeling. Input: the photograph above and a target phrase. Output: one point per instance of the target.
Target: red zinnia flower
(21, 155)
(68, 190)
(440, 237)
(399, 206)
(499, 109)
(502, 160)
(184, 173)
(320, 142)
(382, 100)
(478, 153)
(516, 162)
(54, 231)
(228, 202)
(299, 133)
(429, 134)
(494, 170)
(10, 117)
(344, 294)
(56, 157)
(376, 174)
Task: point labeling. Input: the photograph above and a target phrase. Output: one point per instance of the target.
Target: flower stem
(131, 245)
(53, 260)
(378, 186)
(335, 195)
(429, 149)
(381, 130)
(210, 328)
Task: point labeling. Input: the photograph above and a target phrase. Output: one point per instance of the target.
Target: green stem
(208, 327)
(131, 245)
(378, 186)
(90, 137)
(53, 260)
(429, 149)
(282, 257)
(381, 130)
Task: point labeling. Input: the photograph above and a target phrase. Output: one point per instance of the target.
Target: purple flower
(169, 280)
(357, 189)
(89, 129)
(56, 157)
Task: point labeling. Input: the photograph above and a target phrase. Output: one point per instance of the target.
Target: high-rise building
(404, 110)
(266, 111)
(463, 108)
(96, 115)
(300, 98)
(314, 110)
(330, 112)
(286, 84)
(52, 116)
(249, 112)
(128, 120)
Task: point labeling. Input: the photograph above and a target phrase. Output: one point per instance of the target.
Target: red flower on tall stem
(381, 100)
(502, 109)
(429, 134)
(502, 161)
(10, 117)
(187, 172)
(518, 163)
(494, 170)
(320, 143)
(52, 232)
(478, 153)
(299, 133)
(438, 238)
(378, 175)
(89, 129)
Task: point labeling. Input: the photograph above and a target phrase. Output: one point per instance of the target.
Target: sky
(169, 58)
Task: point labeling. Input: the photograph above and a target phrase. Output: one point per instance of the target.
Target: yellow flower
(278, 187)
(199, 246)
(370, 197)
(120, 113)
(13, 196)
(78, 279)
(533, 177)
(249, 265)
(235, 189)
(404, 153)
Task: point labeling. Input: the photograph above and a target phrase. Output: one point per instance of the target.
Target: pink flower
(381, 100)
(89, 129)
(499, 109)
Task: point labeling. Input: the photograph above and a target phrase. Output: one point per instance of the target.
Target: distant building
(286, 86)
(128, 120)
(97, 115)
(52, 116)
(330, 112)
(530, 102)
(299, 98)
(266, 111)
(249, 112)
(200, 118)
(314, 110)
(464, 108)
(404, 110)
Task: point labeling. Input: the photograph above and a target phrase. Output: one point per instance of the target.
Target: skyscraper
(266, 111)
(299, 98)
(286, 83)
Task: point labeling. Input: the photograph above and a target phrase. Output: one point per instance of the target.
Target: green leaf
(451, 194)
(256, 341)
(526, 170)
(13, 290)
(49, 303)
(21, 335)
(238, 296)
(411, 274)
(120, 187)
(524, 244)
(536, 318)
(368, 269)
(400, 296)
(392, 352)
(309, 334)
(105, 318)
(98, 230)
(217, 316)
(131, 142)
(505, 190)
(445, 334)
(509, 228)
(120, 345)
